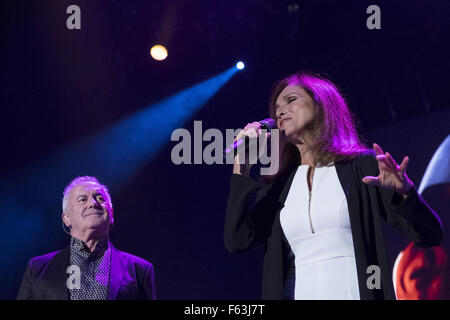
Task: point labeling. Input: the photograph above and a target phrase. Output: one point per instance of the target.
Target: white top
(317, 227)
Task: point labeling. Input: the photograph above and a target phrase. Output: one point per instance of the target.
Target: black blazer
(248, 224)
(45, 277)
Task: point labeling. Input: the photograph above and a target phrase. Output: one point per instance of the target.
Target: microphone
(244, 142)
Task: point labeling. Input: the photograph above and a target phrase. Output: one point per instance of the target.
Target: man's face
(89, 208)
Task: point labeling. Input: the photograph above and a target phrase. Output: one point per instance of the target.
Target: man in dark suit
(90, 268)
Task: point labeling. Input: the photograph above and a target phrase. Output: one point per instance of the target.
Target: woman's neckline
(318, 166)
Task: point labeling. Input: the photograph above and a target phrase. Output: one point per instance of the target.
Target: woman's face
(295, 111)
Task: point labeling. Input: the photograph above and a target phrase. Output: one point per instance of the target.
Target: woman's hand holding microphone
(252, 131)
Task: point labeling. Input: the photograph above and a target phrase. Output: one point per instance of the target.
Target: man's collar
(78, 245)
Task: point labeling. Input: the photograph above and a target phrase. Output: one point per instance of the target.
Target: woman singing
(320, 217)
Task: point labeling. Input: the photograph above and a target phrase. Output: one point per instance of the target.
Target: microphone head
(268, 123)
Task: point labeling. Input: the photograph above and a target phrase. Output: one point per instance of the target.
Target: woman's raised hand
(252, 131)
(392, 175)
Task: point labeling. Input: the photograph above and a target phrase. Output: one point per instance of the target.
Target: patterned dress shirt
(94, 269)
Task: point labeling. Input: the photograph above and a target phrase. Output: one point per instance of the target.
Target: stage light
(158, 52)
(240, 65)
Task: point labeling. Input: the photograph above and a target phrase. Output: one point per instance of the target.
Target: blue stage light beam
(30, 200)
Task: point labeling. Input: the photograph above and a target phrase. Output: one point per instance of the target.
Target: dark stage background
(61, 88)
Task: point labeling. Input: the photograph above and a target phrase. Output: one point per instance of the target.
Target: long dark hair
(334, 137)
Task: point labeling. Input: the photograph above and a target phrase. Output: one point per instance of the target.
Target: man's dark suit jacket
(131, 278)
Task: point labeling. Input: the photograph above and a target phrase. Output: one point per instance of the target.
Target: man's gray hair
(82, 180)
